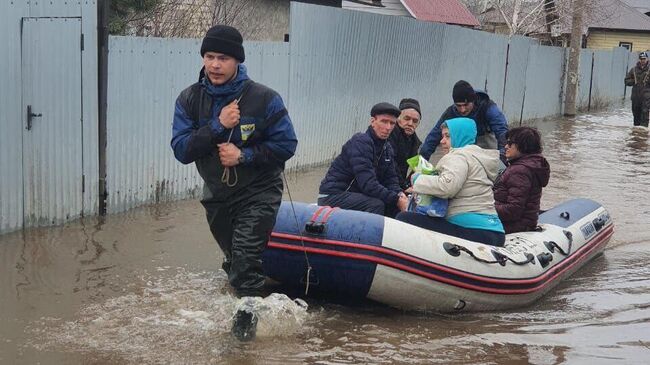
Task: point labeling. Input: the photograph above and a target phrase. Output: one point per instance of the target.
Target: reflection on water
(144, 286)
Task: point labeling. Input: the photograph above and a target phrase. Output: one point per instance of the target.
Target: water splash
(178, 319)
(277, 314)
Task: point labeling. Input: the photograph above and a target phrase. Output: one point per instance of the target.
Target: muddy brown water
(144, 287)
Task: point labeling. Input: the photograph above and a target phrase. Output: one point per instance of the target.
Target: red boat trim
(547, 277)
(422, 262)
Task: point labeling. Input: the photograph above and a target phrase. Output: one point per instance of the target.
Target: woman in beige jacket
(466, 176)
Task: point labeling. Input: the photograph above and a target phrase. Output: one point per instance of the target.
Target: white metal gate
(52, 123)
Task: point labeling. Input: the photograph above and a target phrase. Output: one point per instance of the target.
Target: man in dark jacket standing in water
(639, 78)
(239, 135)
(403, 140)
(491, 124)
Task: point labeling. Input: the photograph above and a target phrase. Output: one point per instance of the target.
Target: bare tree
(547, 20)
(256, 19)
(476, 7)
(521, 17)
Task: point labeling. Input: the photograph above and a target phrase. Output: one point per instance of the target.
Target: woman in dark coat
(518, 192)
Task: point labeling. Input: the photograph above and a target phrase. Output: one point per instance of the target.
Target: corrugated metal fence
(337, 65)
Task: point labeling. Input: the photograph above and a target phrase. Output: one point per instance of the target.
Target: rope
(302, 242)
(327, 215)
(225, 177)
(317, 213)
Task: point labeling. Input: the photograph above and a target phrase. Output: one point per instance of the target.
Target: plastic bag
(428, 205)
(423, 203)
(420, 165)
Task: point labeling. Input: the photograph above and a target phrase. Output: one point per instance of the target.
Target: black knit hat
(384, 108)
(224, 39)
(408, 103)
(463, 92)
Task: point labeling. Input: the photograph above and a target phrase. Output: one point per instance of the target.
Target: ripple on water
(184, 318)
(599, 315)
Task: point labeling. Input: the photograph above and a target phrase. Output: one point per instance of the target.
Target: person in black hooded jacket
(363, 176)
(404, 140)
(518, 191)
(491, 124)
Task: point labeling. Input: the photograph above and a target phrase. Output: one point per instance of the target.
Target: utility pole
(573, 71)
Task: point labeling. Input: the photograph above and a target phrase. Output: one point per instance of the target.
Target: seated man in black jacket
(363, 176)
(403, 140)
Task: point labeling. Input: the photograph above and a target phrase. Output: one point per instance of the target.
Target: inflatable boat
(348, 254)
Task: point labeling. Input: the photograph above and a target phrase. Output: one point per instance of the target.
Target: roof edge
(620, 30)
(407, 8)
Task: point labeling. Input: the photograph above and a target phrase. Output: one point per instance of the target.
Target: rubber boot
(244, 326)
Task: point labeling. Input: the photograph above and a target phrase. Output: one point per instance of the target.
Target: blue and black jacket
(486, 114)
(365, 165)
(264, 134)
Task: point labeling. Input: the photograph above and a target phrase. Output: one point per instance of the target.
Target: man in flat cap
(403, 140)
(239, 135)
(491, 124)
(639, 78)
(363, 176)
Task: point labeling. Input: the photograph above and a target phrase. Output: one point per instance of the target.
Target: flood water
(144, 287)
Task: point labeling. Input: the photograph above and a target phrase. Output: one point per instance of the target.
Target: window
(627, 45)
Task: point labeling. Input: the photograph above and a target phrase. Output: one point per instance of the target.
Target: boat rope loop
(302, 242)
(501, 259)
(552, 246)
(315, 227)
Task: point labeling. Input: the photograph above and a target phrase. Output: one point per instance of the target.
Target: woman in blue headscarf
(466, 174)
